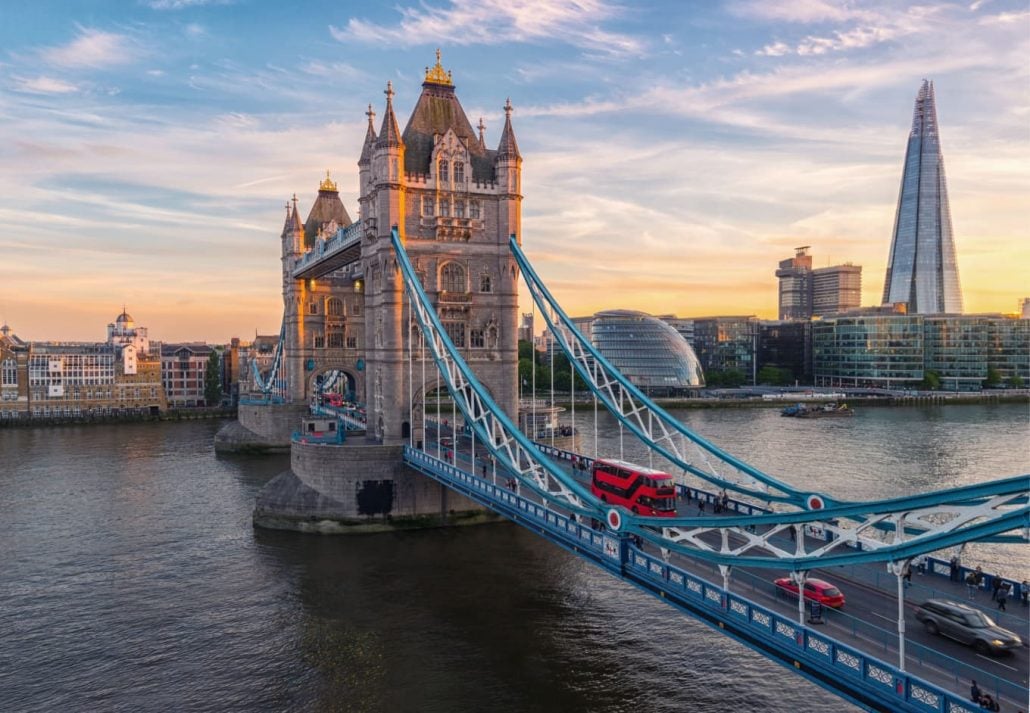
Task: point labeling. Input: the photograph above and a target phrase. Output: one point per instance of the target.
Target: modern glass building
(921, 268)
(868, 350)
(727, 344)
(649, 352)
(892, 350)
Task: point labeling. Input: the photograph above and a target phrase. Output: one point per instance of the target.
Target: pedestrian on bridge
(971, 585)
(1024, 591)
(974, 693)
(995, 587)
(956, 569)
(1002, 595)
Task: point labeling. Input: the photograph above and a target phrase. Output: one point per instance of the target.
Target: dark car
(967, 625)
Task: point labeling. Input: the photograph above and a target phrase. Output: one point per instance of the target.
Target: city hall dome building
(649, 352)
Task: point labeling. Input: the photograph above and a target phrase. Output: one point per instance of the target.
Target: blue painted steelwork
(979, 507)
(849, 672)
(276, 382)
(492, 426)
(561, 327)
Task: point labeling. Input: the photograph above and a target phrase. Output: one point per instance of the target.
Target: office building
(922, 271)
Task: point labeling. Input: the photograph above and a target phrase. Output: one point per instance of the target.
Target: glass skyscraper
(921, 267)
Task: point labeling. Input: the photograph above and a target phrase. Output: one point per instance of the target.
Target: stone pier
(355, 488)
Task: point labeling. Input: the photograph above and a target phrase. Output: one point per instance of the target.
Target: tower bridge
(414, 305)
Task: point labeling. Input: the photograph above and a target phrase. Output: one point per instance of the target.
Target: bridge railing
(820, 654)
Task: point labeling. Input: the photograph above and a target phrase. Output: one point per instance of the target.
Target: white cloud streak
(468, 22)
(92, 48)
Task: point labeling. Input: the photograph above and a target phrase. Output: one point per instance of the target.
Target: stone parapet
(261, 427)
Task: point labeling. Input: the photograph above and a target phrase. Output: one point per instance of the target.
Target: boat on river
(827, 410)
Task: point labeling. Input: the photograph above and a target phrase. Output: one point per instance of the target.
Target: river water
(131, 579)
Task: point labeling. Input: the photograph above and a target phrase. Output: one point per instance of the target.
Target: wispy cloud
(92, 48)
(43, 85)
(181, 4)
(800, 11)
(467, 22)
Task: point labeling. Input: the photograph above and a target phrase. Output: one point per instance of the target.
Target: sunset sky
(673, 151)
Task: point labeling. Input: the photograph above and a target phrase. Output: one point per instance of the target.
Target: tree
(931, 380)
(774, 376)
(213, 380)
(1016, 381)
(993, 377)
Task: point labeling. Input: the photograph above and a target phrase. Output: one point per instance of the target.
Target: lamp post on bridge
(899, 570)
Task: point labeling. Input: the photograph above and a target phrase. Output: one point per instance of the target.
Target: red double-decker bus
(641, 490)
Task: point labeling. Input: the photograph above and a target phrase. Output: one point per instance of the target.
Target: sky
(673, 152)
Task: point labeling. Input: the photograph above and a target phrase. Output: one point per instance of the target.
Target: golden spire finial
(437, 74)
(327, 184)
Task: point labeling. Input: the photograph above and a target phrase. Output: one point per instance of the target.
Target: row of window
(335, 308)
(448, 208)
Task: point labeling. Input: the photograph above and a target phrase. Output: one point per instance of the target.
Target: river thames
(133, 580)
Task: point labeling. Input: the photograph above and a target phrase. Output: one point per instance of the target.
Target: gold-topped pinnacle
(327, 184)
(437, 74)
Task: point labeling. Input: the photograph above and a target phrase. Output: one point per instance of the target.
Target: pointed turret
(508, 148)
(482, 134)
(389, 134)
(370, 139)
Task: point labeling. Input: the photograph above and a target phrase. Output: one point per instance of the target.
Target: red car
(817, 590)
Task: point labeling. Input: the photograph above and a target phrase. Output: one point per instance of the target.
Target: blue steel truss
(884, 531)
(275, 384)
(650, 423)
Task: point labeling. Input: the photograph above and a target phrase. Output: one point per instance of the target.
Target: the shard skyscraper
(921, 267)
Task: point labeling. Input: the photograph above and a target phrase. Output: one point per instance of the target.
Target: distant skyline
(673, 152)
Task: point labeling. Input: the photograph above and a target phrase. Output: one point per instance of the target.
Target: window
(459, 172)
(319, 341)
(452, 278)
(445, 207)
(484, 283)
(459, 209)
(9, 373)
(355, 309)
(427, 205)
(336, 339)
(352, 342)
(476, 339)
(474, 209)
(313, 308)
(443, 174)
(334, 307)
(456, 331)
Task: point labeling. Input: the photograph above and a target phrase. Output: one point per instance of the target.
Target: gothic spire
(294, 222)
(370, 138)
(482, 133)
(508, 148)
(389, 134)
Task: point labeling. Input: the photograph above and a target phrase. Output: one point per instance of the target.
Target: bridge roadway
(868, 621)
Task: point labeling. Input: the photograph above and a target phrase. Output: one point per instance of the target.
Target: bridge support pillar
(358, 487)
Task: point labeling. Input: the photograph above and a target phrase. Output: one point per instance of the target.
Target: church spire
(508, 148)
(370, 138)
(389, 134)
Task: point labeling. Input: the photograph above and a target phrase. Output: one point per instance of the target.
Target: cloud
(776, 49)
(798, 11)
(43, 85)
(181, 4)
(467, 22)
(92, 48)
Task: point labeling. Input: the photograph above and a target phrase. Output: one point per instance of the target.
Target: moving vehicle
(335, 400)
(640, 490)
(967, 625)
(816, 590)
(447, 442)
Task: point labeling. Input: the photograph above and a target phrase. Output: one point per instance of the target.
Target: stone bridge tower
(455, 203)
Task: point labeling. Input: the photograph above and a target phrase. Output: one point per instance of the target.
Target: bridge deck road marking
(987, 658)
